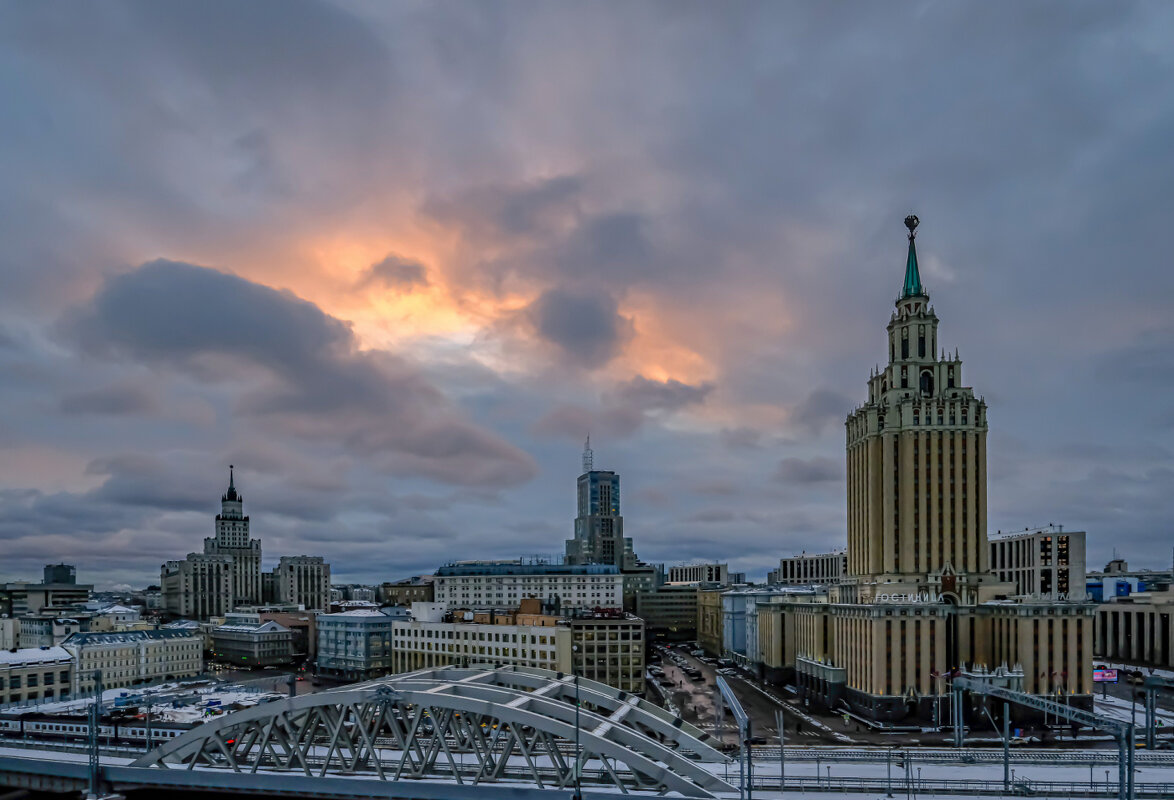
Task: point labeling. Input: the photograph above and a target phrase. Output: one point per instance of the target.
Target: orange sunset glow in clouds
(396, 261)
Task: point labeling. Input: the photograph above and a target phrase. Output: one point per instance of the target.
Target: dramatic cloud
(319, 385)
(586, 326)
(452, 239)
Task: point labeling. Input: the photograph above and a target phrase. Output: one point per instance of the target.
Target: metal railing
(968, 756)
(950, 786)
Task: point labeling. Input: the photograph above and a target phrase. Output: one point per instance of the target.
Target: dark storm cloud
(820, 408)
(810, 470)
(586, 326)
(172, 314)
(395, 272)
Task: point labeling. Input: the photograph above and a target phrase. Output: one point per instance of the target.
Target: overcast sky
(396, 260)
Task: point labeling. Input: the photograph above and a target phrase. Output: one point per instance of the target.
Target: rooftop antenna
(588, 456)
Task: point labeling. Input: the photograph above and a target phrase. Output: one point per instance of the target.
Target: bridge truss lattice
(470, 726)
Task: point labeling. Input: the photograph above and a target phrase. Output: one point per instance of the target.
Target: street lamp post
(95, 725)
(578, 751)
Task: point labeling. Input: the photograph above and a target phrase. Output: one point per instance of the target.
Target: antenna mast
(588, 456)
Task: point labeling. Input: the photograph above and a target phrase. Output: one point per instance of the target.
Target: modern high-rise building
(599, 527)
(918, 600)
(232, 539)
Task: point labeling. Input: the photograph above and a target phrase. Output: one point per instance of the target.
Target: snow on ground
(1121, 709)
(169, 702)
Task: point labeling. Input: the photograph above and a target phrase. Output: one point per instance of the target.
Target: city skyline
(375, 259)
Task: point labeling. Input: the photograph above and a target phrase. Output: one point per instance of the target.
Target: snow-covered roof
(245, 627)
(358, 612)
(117, 609)
(34, 655)
(125, 637)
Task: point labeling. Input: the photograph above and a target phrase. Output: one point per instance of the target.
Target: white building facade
(504, 584)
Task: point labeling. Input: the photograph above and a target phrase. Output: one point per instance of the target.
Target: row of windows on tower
(926, 382)
(905, 343)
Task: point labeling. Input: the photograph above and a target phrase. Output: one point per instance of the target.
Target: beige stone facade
(709, 620)
(134, 658)
(1137, 630)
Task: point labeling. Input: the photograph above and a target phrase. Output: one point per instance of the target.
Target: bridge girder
(464, 726)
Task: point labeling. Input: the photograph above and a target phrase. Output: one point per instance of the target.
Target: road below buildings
(696, 701)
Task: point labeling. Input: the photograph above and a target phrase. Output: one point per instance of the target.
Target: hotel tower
(918, 602)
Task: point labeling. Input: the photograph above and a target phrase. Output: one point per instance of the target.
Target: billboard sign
(1104, 676)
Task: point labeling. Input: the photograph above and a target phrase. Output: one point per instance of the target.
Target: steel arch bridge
(469, 726)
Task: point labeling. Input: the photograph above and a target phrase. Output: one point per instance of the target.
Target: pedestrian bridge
(510, 730)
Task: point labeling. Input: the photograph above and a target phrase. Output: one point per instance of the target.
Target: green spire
(912, 285)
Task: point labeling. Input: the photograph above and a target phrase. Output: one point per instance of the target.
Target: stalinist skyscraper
(918, 603)
(917, 464)
(232, 539)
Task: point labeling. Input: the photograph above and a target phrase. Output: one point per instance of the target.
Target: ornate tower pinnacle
(912, 287)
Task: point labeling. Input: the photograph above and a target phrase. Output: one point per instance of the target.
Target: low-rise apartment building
(608, 647)
(808, 570)
(407, 591)
(429, 640)
(263, 644)
(669, 612)
(35, 673)
(700, 573)
(355, 645)
(131, 658)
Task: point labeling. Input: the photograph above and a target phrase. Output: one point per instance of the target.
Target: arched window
(926, 383)
(921, 341)
(904, 343)
(904, 377)
(949, 377)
